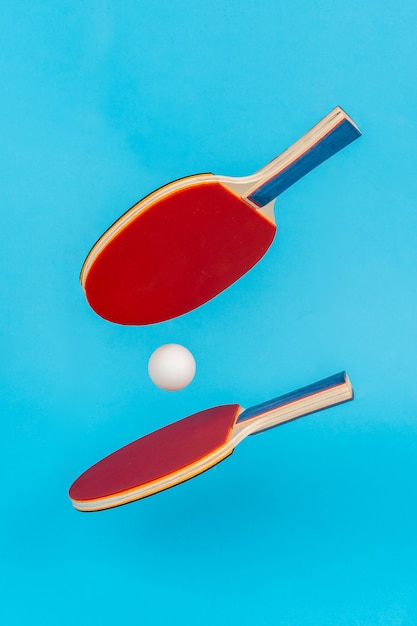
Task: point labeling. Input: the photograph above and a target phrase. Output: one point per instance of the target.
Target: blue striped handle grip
(316, 397)
(329, 136)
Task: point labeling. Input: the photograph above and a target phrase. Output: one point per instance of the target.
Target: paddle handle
(315, 397)
(331, 134)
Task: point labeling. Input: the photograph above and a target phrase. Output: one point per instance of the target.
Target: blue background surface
(310, 524)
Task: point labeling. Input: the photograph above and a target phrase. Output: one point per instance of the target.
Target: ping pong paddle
(184, 449)
(188, 241)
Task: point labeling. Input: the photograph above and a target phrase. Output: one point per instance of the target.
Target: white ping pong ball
(171, 367)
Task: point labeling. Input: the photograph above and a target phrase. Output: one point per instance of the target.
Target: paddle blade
(175, 255)
(157, 461)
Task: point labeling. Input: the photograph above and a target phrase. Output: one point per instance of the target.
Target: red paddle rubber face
(155, 456)
(176, 254)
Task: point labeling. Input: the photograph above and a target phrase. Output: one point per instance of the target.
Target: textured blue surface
(298, 394)
(338, 138)
(102, 102)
